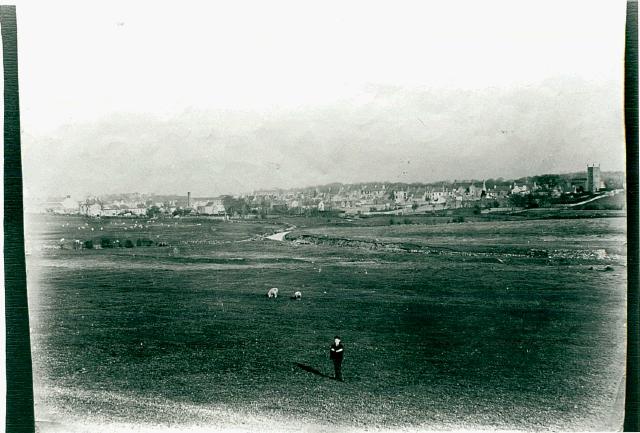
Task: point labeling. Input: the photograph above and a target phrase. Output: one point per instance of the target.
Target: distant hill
(612, 179)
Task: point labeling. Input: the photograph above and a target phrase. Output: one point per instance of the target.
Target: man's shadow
(312, 370)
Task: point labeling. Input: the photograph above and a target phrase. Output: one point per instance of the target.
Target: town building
(400, 197)
(593, 178)
(522, 190)
(211, 207)
(110, 212)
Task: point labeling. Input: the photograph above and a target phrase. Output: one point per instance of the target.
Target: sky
(230, 97)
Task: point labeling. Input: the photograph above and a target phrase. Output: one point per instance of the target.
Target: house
(213, 207)
(522, 190)
(196, 204)
(400, 197)
(498, 192)
(278, 205)
(454, 201)
(137, 211)
(110, 212)
(439, 196)
(473, 191)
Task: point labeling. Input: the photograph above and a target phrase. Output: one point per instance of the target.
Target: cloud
(385, 132)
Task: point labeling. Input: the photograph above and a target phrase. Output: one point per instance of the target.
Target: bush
(128, 243)
(106, 243)
(88, 244)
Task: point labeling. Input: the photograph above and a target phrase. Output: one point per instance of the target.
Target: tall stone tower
(593, 178)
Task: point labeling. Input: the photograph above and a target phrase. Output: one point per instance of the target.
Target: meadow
(481, 324)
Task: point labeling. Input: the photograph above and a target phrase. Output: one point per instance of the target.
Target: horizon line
(447, 181)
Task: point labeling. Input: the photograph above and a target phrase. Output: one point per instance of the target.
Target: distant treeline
(613, 180)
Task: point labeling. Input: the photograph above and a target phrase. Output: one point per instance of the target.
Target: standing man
(336, 353)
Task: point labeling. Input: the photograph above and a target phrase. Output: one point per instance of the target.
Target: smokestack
(188, 198)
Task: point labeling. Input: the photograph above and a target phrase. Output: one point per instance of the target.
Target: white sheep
(272, 293)
(297, 296)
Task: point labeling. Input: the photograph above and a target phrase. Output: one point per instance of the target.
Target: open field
(494, 324)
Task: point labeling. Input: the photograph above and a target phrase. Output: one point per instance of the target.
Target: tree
(517, 200)
(548, 180)
(528, 201)
(234, 205)
(153, 211)
(181, 212)
(106, 243)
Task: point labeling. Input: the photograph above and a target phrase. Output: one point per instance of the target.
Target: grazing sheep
(272, 293)
(297, 296)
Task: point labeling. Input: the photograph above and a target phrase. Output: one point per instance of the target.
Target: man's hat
(337, 337)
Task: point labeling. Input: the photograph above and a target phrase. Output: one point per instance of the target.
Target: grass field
(494, 325)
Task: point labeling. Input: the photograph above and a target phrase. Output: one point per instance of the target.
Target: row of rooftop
(349, 198)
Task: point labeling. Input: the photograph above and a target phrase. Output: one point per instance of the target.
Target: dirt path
(598, 197)
(281, 235)
(278, 236)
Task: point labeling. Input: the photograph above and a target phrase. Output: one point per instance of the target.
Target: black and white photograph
(289, 216)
